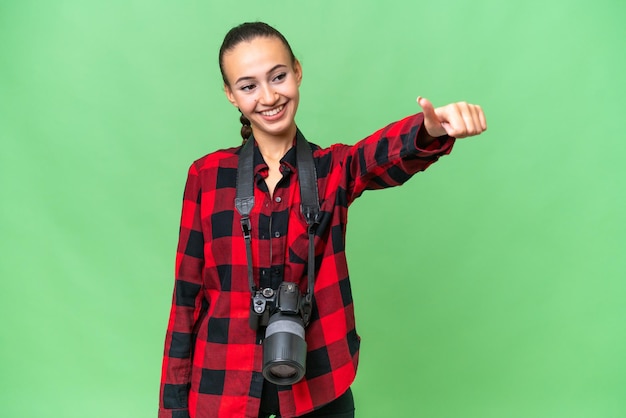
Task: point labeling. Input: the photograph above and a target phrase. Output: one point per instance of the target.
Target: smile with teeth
(273, 112)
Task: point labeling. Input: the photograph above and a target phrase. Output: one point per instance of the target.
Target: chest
(274, 176)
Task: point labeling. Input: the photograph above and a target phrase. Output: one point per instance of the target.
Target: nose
(268, 95)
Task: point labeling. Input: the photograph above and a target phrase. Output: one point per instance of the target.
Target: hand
(458, 120)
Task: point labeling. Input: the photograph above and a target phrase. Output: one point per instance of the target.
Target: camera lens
(284, 349)
(283, 370)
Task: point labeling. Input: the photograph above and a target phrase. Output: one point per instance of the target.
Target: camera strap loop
(310, 206)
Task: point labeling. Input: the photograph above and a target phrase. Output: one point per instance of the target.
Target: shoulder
(226, 157)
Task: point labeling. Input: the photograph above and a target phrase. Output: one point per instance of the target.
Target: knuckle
(458, 133)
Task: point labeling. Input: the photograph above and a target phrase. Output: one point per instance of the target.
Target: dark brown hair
(245, 33)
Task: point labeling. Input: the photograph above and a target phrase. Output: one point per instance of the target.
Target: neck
(273, 148)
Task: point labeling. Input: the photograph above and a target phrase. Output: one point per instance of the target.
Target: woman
(213, 359)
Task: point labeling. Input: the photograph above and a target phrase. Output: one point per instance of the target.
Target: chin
(278, 130)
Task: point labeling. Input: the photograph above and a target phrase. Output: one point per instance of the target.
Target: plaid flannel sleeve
(188, 304)
(390, 156)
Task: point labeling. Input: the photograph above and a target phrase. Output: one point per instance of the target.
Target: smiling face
(263, 82)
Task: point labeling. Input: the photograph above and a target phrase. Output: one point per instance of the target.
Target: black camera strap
(310, 206)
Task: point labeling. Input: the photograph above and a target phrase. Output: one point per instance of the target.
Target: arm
(188, 304)
(393, 154)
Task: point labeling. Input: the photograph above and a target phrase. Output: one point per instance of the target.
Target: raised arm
(391, 155)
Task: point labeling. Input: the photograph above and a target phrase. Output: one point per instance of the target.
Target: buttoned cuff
(439, 146)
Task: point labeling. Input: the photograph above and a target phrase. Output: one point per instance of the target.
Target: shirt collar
(288, 160)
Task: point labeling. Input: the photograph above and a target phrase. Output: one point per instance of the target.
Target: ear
(297, 69)
(229, 95)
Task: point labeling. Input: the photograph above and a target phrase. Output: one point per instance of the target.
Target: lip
(276, 116)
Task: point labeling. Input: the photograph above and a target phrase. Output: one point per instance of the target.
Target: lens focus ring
(285, 323)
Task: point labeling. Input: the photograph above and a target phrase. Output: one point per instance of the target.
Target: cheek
(296, 91)
(245, 103)
(296, 96)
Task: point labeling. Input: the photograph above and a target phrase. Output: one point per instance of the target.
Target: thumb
(431, 120)
(427, 107)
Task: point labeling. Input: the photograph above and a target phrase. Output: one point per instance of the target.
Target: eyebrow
(274, 68)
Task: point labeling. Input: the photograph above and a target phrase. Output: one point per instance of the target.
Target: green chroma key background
(492, 285)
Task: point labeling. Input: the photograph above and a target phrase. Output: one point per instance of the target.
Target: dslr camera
(285, 313)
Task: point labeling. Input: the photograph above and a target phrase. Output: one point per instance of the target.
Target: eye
(279, 77)
(247, 87)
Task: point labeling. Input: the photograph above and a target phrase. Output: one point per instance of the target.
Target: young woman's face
(263, 84)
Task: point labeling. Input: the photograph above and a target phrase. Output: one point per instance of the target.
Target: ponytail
(246, 128)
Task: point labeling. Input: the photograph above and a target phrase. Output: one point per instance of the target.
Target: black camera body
(287, 300)
(285, 313)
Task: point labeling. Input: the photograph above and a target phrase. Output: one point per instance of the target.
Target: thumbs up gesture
(458, 120)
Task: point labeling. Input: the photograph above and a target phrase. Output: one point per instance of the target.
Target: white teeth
(273, 111)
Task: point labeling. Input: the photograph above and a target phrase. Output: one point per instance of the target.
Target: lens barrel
(284, 349)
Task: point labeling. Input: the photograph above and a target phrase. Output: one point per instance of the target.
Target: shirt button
(278, 199)
(277, 234)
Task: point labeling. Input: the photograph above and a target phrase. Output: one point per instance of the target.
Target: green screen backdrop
(493, 285)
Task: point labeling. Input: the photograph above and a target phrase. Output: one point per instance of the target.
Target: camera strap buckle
(246, 228)
(307, 308)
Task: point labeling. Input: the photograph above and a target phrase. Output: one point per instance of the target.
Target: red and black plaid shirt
(213, 359)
